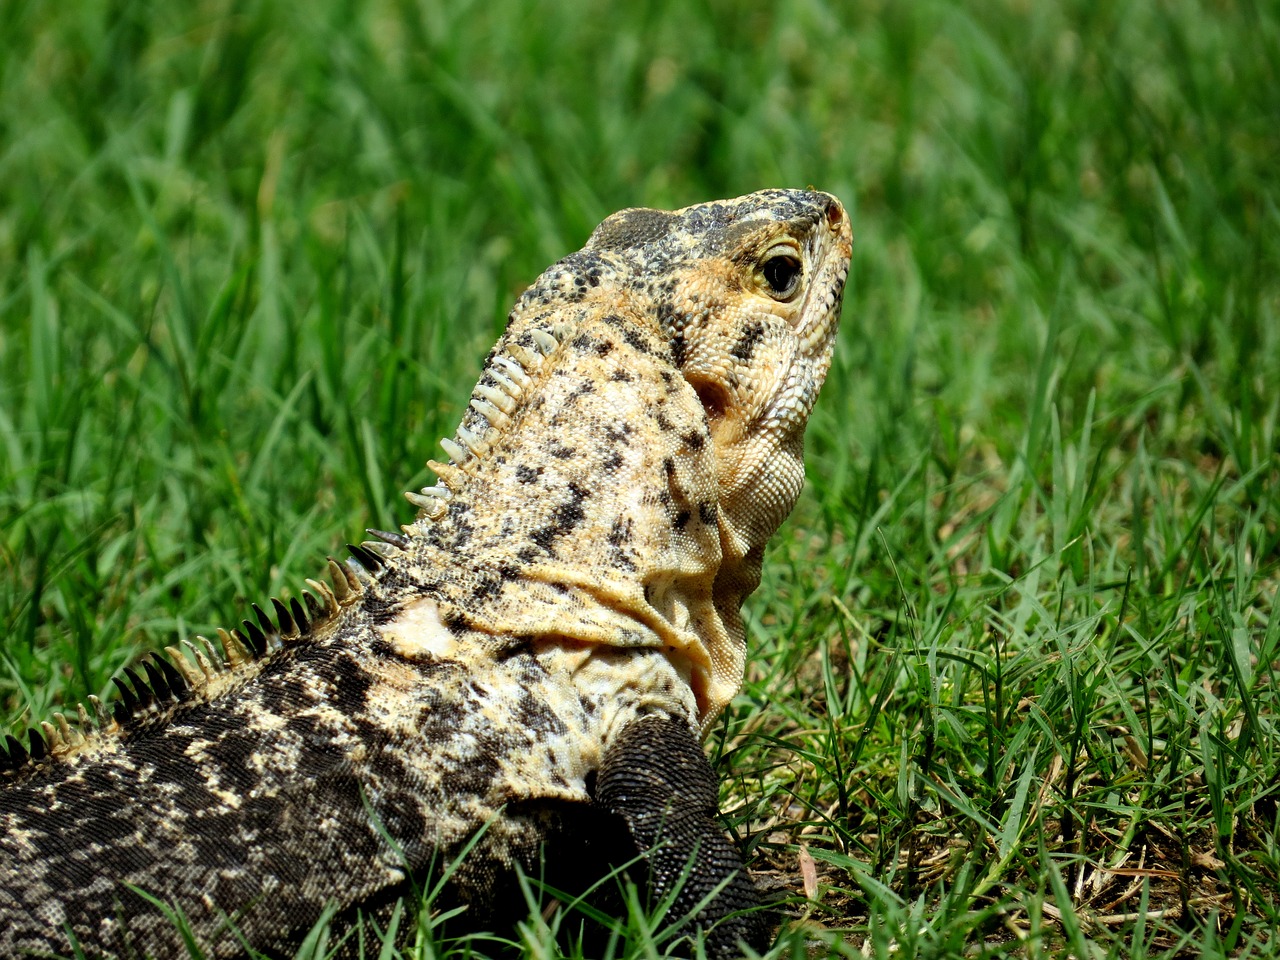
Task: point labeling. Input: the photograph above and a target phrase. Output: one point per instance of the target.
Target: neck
(527, 547)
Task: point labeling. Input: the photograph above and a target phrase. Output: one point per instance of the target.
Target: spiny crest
(200, 670)
(510, 369)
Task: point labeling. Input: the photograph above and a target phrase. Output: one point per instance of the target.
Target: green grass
(1013, 681)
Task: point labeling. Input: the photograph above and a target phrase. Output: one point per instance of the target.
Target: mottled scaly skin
(532, 661)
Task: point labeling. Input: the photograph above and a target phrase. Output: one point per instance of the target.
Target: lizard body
(544, 644)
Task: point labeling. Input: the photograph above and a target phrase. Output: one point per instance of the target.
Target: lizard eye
(781, 271)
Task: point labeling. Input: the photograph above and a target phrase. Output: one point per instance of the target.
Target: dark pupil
(781, 273)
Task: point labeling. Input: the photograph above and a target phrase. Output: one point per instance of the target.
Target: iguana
(523, 673)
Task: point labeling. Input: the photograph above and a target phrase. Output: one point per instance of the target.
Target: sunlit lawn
(1013, 684)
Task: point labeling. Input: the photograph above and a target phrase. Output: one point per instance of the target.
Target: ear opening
(714, 398)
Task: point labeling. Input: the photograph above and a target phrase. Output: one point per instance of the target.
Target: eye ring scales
(782, 271)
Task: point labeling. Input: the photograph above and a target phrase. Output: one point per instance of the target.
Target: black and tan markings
(530, 660)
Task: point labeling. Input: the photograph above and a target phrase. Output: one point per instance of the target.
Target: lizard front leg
(655, 777)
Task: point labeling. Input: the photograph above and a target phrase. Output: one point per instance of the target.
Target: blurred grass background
(1013, 684)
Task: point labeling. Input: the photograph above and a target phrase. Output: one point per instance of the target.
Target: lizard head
(749, 294)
